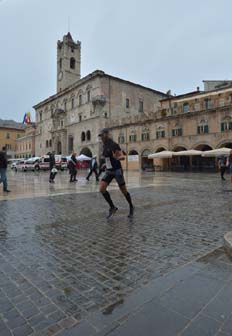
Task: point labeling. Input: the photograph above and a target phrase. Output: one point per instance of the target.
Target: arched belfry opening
(72, 63)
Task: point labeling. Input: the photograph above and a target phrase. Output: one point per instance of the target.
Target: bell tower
(68, 62)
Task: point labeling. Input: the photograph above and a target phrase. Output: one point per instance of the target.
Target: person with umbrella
(113, 155)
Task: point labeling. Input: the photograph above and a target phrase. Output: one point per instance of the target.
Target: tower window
(80, 99)
(127, 102)
(72, 63)
(83, 136)
(88, 96)
(60, 63)
(140, 105)
(88, 135)
(72, 103)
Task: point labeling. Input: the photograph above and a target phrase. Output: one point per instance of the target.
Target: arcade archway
(200, 163)
(146, 163)
(86, 151)
(180, 163)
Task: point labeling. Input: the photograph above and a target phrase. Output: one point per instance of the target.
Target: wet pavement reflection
(62, 261)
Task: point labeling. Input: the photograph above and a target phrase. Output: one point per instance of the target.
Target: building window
(177, 132)
(18, 136)
(60, 63)
(208, 103)
(72, 63)
(70, 144)
(127, 102)
(197, 106)
(88, 96)
(50, 143)
(83, 136)
(80, 99)
(186, 107)
(202, 129)
(160, 134)
(80, 118)
(221, 102)
(46, 143)
(65, 106)
(62, 123)
(226, 126)
(7, 135)
(121, 139)
(141, 106)
(72, 103)
(132, 138)
(88, 135)
(40, 116)
(145, 135)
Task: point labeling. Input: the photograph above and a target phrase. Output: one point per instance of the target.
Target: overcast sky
(172, 44)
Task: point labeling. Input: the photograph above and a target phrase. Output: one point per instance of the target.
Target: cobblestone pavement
(62, 262)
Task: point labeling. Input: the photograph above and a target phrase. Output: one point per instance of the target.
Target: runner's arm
(118, 155)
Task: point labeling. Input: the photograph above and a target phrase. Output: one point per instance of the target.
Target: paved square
(62, 261)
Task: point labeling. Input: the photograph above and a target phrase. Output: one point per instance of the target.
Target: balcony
(99, 100)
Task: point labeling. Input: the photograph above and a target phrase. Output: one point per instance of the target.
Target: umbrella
(217, 152)
(83, 157)
(162, 155)
(190, 152)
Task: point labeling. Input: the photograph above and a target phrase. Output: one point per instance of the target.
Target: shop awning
(162, 155)
(217, 152)
(190, 152)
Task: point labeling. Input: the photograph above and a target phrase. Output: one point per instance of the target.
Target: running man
(113, 155)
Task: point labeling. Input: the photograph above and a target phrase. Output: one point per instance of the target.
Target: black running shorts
(116, 174)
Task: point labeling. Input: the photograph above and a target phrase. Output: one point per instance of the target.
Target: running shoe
(112, 211)
(131, 212)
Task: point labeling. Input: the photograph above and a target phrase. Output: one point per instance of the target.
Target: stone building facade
(10, 131)
(71, 119)
(197, 120)
(25, 145)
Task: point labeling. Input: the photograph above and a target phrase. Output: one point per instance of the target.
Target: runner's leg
(105, 193)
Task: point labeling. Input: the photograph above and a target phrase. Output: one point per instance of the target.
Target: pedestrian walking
(222, 166)
(52, 166)
(229, 164)
(3, 168)
(93, 169)
(72, 166)
(113, 155)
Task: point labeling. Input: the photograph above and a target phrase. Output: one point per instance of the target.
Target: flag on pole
(27, 118)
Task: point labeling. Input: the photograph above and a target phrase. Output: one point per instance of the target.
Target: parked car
(14, 162)
(61, 162)
(20, 165)
(43, 163)
(31, 164)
